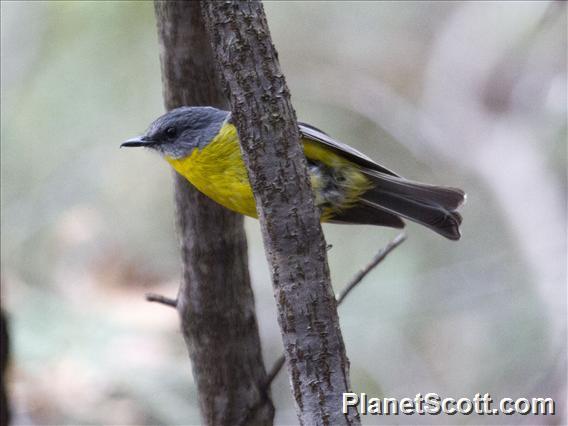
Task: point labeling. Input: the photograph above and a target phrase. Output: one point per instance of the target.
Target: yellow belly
(218, 171)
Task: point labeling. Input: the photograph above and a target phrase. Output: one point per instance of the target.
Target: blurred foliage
(467, 94)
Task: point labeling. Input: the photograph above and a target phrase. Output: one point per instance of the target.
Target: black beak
(138, 141)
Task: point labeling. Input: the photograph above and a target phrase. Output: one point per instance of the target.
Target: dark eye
(171, 132)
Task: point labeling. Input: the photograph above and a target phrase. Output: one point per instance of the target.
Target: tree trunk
(260, 101)
(215, 301)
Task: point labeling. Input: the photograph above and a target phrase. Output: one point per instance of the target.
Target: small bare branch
(357, 278)
(379, 257)
(158, 298)
(275, 370)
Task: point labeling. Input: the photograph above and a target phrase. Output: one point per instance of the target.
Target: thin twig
(275, 370)
(379, 257)
(158, 298)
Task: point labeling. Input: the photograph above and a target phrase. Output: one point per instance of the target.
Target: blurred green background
(466, 94)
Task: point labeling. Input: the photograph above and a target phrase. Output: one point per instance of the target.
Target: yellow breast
(219, 172)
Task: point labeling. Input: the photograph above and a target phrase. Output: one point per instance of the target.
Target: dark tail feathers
(432, 206)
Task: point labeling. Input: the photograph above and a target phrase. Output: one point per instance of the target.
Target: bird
(202, 144)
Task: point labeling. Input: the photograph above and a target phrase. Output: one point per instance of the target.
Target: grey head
(176, 133)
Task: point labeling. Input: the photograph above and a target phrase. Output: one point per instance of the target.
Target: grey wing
(312, 133)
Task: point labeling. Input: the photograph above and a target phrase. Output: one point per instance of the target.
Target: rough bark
(215, 301)
(294, 244)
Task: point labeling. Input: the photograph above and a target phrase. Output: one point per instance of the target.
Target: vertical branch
(5, 415)
(215, 300)
(294, 244)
